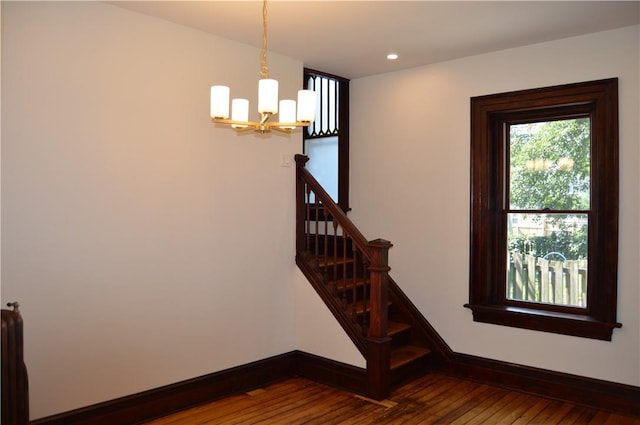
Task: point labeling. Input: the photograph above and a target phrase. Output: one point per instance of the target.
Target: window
(326, 140)
(544, 209)
(547, 210)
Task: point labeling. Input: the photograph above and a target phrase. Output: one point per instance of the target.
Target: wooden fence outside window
(542, 280)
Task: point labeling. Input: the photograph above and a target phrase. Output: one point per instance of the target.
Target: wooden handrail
(331, 207)
(376, 345)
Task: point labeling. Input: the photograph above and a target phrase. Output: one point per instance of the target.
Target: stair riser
(400, 339)
(340, 272)
(410, 371)
(349, 294)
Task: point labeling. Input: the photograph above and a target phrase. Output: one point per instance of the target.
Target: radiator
(15, 386)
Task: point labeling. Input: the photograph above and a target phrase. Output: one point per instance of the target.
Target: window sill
(541, 320)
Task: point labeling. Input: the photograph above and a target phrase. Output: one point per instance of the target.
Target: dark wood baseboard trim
(148, 405)
(330, 372)
(604, 395)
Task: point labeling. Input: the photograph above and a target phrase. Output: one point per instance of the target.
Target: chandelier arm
(262, 126)
(281, 130)
(244, 129)
(234, 122)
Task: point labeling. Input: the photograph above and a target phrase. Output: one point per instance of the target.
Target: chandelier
(291, 115)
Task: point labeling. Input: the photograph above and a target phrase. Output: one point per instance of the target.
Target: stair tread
(406, 354)
(359, 307)
(345, 284)
(332, 261)
(394, 328)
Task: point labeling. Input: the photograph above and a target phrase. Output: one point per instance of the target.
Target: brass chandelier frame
(264, 125)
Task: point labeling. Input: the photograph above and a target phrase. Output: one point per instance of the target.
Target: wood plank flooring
(432, 399)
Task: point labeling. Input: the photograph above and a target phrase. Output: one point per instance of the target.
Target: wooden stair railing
(351, 275)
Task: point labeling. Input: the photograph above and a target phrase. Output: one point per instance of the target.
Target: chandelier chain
(264, 71)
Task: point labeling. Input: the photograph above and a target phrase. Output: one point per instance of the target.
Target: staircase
(351, 276)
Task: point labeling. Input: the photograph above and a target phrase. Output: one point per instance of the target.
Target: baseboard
(148, 405)
(330, 372)
(604, 395)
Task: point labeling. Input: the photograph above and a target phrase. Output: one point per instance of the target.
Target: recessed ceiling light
(392, 56)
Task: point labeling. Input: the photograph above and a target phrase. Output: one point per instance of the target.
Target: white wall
(410, 184)
(145, 245)
(133, 228)
(317, 331)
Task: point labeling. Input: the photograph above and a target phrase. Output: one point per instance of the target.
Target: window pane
(549, 165)
(547, 258)
(323, 163)
(327, 93)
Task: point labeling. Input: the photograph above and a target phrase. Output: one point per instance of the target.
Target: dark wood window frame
(341, 131)
(490, 115)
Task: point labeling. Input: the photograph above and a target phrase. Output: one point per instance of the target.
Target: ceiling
(352, 38)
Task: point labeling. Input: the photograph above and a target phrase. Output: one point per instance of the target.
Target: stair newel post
(378, 342)
(301, 202)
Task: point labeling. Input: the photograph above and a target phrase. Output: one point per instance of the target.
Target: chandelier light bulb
(220, 102)
(306, 105)
(239, 112)
(268, 96)
(288, 112)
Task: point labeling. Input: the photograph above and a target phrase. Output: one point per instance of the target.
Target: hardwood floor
(433, 399)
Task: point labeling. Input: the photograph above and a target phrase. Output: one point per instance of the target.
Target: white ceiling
(352, 38)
